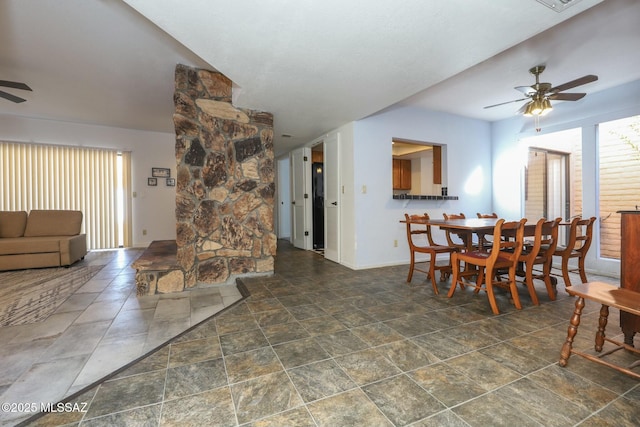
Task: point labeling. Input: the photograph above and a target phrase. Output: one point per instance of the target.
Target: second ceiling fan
(540, 95)
(13, 85)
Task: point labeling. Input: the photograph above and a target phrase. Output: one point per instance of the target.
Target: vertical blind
(35, 176)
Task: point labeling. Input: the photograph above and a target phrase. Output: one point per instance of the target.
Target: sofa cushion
(53, 223)
(29, 245)
(12, 223)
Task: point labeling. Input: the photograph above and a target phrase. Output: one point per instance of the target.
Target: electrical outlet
(144, 232)
(395, 243)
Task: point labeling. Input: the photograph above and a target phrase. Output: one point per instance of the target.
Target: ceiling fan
(13, 85)
(541, 94)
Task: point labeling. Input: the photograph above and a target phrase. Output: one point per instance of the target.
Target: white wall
(376, 214)
(154, 207)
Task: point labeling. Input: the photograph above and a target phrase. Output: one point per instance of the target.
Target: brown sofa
(43, 238)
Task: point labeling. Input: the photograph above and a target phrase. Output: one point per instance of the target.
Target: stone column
(225, 182)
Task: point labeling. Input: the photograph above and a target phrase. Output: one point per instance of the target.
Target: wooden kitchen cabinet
(401, 174)
(437, 164)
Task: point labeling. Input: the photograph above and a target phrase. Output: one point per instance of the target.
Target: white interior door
(331, 199)
(284, 199)
(300, 180)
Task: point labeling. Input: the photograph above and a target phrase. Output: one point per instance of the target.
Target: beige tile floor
(318, 344)
(101, 328)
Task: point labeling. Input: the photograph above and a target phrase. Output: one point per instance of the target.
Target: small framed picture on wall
(152, 182)
(171, 182)
(160, 172)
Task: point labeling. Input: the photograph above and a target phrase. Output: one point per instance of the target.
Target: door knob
(334, 203)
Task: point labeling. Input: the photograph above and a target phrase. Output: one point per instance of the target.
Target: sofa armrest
(72, 248)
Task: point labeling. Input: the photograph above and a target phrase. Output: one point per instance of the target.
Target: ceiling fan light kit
(541, 94)
(538, 107)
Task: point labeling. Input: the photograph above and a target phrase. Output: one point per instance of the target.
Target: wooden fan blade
(14, 85)
(504, 103)
(573, 83)
(527, 90)
(567, 96)
(10, 97)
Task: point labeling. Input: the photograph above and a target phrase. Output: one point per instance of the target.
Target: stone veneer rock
(225, 182)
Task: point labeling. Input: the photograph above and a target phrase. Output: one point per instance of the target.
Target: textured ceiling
(314, 65)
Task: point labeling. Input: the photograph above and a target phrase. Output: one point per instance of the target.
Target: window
(619, 178)
(94, 181)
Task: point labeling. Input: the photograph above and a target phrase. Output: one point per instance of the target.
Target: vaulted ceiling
(314, 65)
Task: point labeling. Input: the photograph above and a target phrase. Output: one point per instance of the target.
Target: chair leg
(565, 271)
(551, 289)
(413, 260)
(529, 282)
(490, 294)
(514, 289)
(455, 267)
(446, 271)
(479, 280)
(583, 274)
(432, 272)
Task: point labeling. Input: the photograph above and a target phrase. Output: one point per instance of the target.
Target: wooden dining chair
(580, 234)
(417, 226)
(459, 242)
(539, 252)
(491, 215)
(503, 256)
(487, 242)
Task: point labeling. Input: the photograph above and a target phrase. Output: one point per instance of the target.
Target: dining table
(466, 227)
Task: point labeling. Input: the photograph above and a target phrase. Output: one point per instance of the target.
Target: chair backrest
(453, 216)
(417, 224)
(507, 248)
(545, 239)
(580, 234)
(491, 215)
(549, 236)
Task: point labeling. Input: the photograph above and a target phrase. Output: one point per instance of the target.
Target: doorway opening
(317, 191)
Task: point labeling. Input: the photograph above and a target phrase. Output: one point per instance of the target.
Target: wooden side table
(625, 300)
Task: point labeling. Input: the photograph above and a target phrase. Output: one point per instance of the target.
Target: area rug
(30, 296)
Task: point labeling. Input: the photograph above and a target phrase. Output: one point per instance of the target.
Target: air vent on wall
(558, 5)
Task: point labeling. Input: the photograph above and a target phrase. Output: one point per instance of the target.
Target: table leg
(602, 324)
(571, 332)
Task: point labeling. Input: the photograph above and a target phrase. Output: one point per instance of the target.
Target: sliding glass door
(95, 181)
(553, 184)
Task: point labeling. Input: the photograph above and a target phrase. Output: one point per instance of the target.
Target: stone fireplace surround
(225, 187)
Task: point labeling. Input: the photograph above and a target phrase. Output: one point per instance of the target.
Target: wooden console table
(629, 268)
(626, 300)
